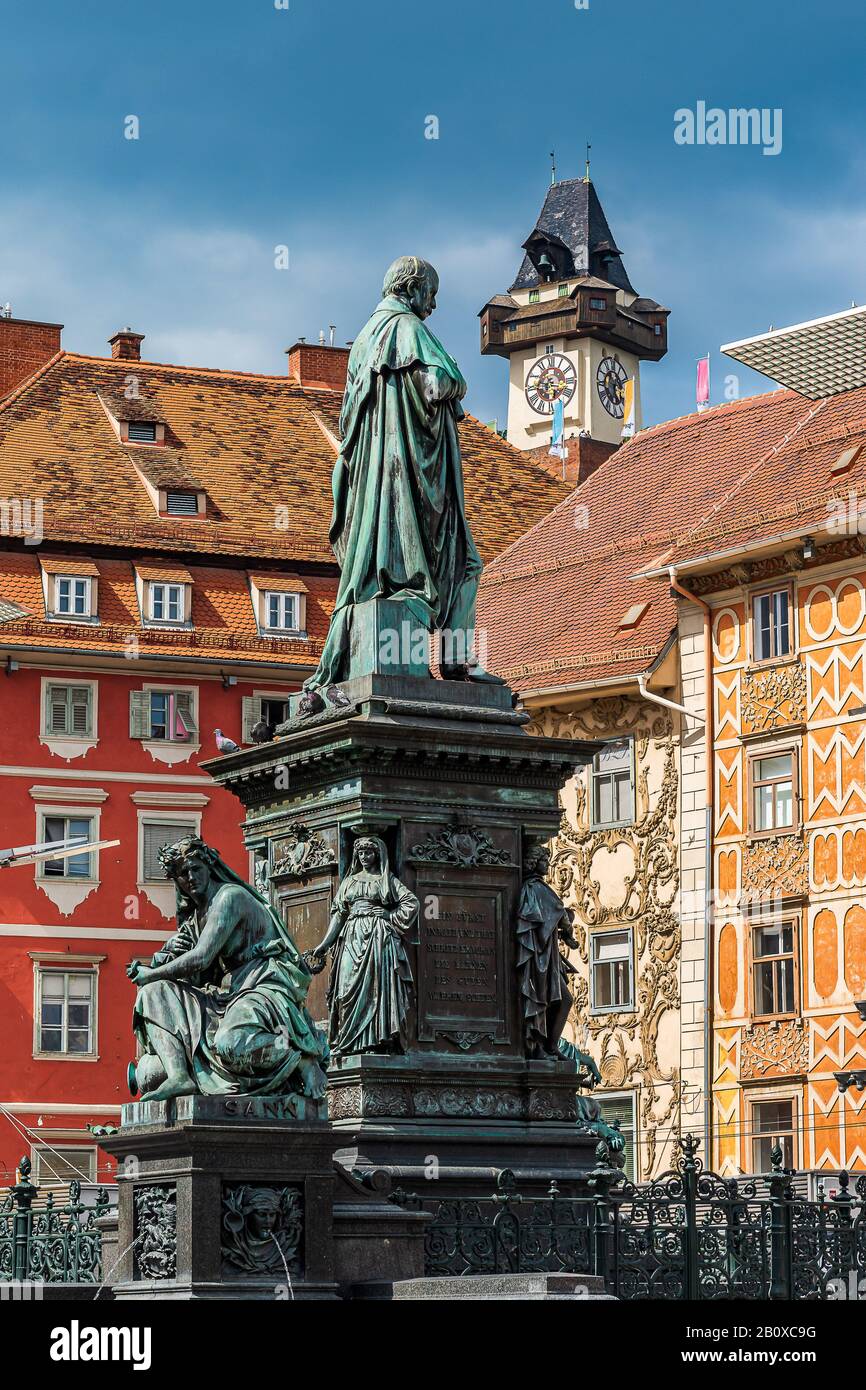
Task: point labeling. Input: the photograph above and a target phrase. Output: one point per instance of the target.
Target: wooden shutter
(139, 714)
(79, 709)
(184, 705)
(56, 713)
(252, 713)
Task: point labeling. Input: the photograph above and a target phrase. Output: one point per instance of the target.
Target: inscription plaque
(461, 976)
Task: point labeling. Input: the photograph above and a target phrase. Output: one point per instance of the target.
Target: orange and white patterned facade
(789, 859)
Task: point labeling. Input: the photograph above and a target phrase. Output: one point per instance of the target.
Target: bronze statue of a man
(399, 528)
(543, 921)
(221, 1009)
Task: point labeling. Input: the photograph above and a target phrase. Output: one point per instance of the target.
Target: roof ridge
(693, 416)
(126, 363)
(33, 377)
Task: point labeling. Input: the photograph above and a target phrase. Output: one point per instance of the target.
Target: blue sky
(305, 127)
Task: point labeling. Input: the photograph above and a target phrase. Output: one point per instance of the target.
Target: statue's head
(414, 280)
(536, 861)
(188, 862)
(368, 853)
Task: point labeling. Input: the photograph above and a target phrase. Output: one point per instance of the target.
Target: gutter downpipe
(709, 983)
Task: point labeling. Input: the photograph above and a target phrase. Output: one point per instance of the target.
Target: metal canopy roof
(818, 358)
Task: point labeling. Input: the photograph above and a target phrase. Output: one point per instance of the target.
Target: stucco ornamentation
(774, 1049)
(627, 876)
(773, 698)
(776, 865)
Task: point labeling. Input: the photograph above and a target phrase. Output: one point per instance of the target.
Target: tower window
(598, 303)
(562, 291)
(657, 329)
(534, 296)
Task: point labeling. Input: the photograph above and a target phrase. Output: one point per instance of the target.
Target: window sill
(792, 659)
(289, 634)
(784, 833)
(614, 1009)
(596, 826)
(67, 746)
(67, 894)
(66, 1057)
(85, 619)
(164, 751)
(166, 625)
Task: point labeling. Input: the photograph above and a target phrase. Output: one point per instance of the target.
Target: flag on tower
(702, 388)
(628, 409)
(557, 441)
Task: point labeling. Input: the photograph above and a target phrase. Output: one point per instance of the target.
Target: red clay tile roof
(552, 603)
(252, 443)
(222, 614)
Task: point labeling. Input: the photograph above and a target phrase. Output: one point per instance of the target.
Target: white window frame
(91, 813)
(595, 936)
(781, 1097)
(47, 1179)
(191, 819)
(283, 597)
(68, 745)
(632, 1139)
(594, 822)
(770, 593)
(67, 964)
(161, 892)
(52, 596)
(165, 587)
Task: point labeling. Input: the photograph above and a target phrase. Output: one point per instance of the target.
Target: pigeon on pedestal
(225, 745)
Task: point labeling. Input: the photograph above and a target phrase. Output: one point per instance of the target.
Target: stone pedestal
(446, 774)
(223, 1197)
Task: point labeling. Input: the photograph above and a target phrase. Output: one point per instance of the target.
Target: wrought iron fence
(690, 1234)
(50, 1244)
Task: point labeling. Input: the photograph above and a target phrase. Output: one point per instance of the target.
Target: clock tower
(572, 325)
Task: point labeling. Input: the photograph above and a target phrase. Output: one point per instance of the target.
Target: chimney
(584, 457)
(318, 366)
(126, 345)
(24, 346)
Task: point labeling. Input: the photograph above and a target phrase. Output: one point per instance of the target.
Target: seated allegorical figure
(221, 1009)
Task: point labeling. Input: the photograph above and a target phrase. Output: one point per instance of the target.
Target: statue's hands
(314, 960)
(140, 974)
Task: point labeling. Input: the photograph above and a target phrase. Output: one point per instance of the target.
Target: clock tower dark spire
(572, 325)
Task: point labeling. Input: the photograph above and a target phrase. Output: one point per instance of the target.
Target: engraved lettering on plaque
(461, 979)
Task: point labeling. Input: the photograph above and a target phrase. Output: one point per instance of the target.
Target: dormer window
(181, 503)
(164, 595)
(562, 291)
(166, 603)
(141, 431)
(534, 296)
(598, 303)
(282, 611)
(280, 604)
(71, 596)
(70, 586)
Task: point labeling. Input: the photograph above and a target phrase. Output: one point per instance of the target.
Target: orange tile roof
(551, 605)
(252, 442)
(162, 572)
(224, 624)
(67, 564)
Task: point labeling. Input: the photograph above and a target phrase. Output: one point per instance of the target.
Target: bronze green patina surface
(221, 1009)
(399, 528)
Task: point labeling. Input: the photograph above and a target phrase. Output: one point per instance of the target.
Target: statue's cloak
(542, 971)
(399, 528)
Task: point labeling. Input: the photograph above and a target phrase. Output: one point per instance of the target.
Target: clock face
(552, 378)
(610, 382)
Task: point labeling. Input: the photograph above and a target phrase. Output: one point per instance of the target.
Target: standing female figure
(373, 918)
